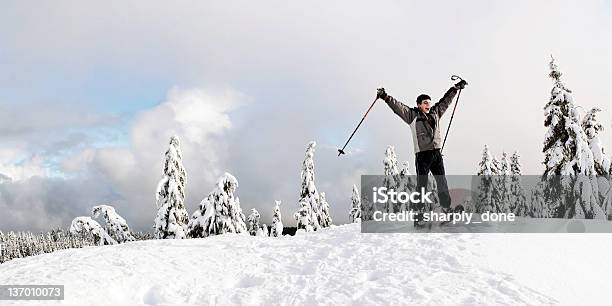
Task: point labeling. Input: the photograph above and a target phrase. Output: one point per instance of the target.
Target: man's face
(425, 105)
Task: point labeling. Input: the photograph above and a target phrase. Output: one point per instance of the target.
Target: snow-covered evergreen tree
(566, 147)
(307, 215)
(404, 170)
(607, 201)
(116, 226)
(407, 182)
(468, 206)
(486, 189)
(592, 128)
(23, 244)
(325, 219)
(303, 217)
(86, 225)
(392, 177)
(538, 207)
(502, 185)
(253, 222)
(568, 155)
(517, 199)
(171, 220)
(277, 223)
(264, 230)
(219, 212)
(355, 213)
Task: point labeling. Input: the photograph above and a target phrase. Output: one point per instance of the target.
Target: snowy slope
(333, 266)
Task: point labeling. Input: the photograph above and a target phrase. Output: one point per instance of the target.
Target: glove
(461, 84)
(381, 94)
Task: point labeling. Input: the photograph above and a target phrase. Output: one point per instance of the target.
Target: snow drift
(338, 265)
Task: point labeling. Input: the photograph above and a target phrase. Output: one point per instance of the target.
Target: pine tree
(171, 220)
(355, 213)
(86, 225)
(303, 217)
(468, 206)
(538, 207)
(277, 223)
(219, 212)
(392, 177)
(264, 230)
(571, 187)
(607, 202)
(518, 200)
(486, 188)
(308, 213)
(253, 222)
(566, 145)
(592, 128)
(405, 169)
(116, 226)
(407, 182)
(501, 192)
(325, 219)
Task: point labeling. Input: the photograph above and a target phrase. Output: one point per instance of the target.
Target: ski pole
(341, 151)
(453, 78)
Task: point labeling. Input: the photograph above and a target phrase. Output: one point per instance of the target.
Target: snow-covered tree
(517, 198)
(171, 220)
(404, 169)
(392, 177)
(566, 147)
(407, 181)
(538, 207)
(303, 217)
(502, 185)
(264, 230)
(468, 206)
(486, 170)
(571, 189)
(355, 213)
(219, 212)
(607, 201)
(307, 215)
(253, 222)
(277, 223)
(23, 244)
(585, 199)
(116, 226)
(86, 225)
(325, 219)
(592, 128)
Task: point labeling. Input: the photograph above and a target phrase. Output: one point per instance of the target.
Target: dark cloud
(38, 204)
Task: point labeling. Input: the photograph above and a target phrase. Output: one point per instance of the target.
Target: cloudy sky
(90, 94)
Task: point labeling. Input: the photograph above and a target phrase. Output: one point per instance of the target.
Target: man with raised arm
(424, 121)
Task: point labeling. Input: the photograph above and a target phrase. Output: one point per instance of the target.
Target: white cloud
(310, 69)
(18, 166)
(200, 118)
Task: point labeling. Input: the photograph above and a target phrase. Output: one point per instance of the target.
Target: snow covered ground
(333, 266)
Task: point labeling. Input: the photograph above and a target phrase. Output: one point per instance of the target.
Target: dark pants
(431, 160)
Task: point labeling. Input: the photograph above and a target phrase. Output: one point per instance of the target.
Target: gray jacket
(425, 127)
